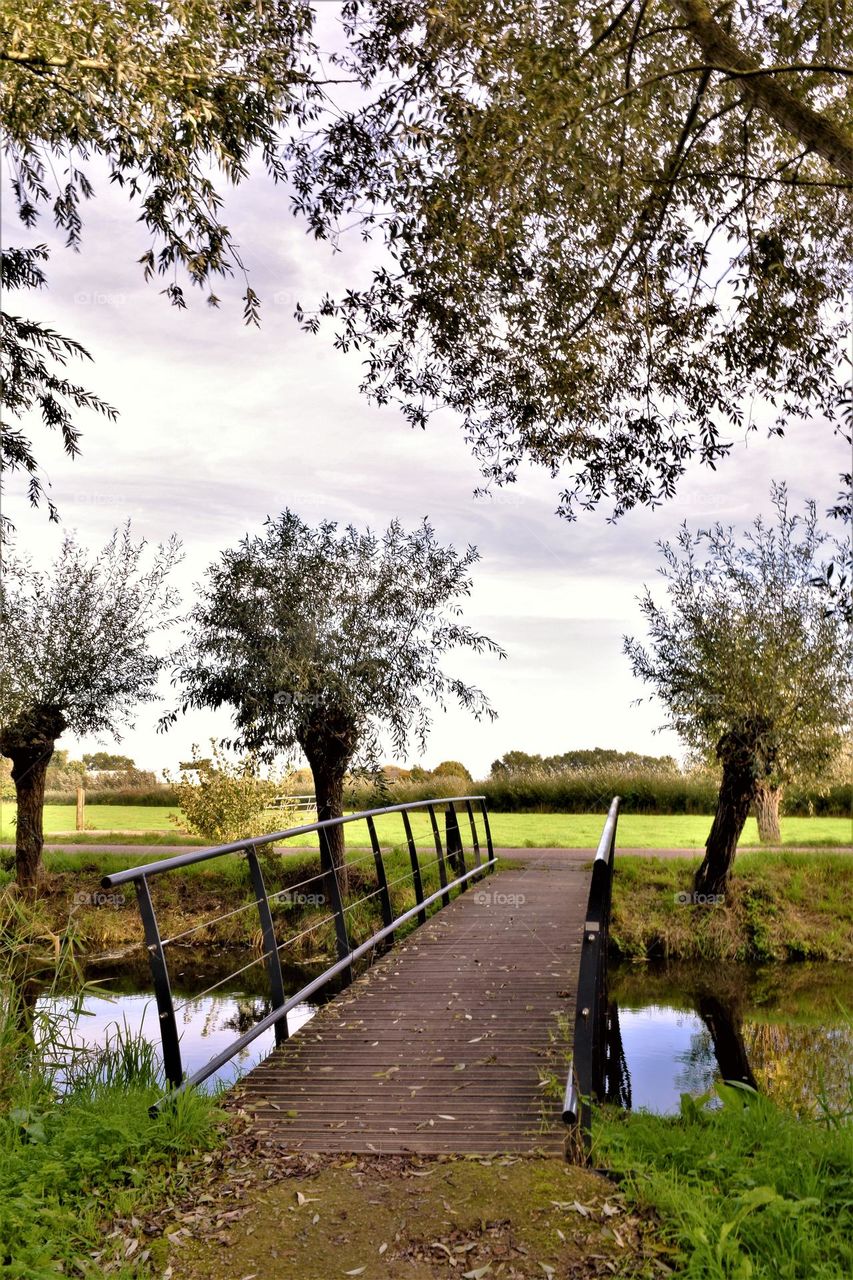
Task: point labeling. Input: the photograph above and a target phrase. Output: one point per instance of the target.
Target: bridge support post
(439, 854)
(382, 881)
(475, 842)
(453, 842)
(416, 868)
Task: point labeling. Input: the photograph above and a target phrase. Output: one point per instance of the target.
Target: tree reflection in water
(785, 1035)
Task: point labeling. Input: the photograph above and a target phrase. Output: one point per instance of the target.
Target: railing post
(439, 853)
(381, 877)
(333, 895)
(162, 987)
(474, 840)
(270, 945)
(588, 1068)
(453, 843)
(490, 848)
(416, 868)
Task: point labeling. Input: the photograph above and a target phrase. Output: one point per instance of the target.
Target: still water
(785, 1029)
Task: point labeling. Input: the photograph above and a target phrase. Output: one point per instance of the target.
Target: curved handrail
(591, 1005)
(449, 854)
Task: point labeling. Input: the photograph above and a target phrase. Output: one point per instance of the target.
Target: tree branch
(793, 115)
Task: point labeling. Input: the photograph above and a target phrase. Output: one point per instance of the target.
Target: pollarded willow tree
(75, 655)
(323, 640)
(608, 224)
(749, 664)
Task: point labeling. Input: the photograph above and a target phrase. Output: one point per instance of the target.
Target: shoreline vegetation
(737, 1185)
(782, 906)
(779, 907)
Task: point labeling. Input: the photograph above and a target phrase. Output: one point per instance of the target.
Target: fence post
(81, 808)
(270, 946)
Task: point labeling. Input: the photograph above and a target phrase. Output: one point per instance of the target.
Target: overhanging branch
(793, 115)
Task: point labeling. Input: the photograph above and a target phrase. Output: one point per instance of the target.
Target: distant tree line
(96, 771)
(512, 763)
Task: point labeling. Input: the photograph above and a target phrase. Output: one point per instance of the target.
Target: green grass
(746, 1192)
(78, 1148)
(779, 906)
(66, 1167)
(514, 830)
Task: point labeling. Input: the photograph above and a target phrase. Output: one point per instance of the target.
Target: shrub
(223, 800)
(150, 797)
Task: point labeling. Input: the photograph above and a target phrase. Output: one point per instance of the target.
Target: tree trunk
(723, 1019)
(747, 756)
(329, 790)
(766, 805)
(329, 744)
(29, 743)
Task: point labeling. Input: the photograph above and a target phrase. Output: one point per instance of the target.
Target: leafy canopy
(172, 98)
(77, 638)
(611, 225)
(523, 762)
(311, 632)
(608, 225)
(746, 639)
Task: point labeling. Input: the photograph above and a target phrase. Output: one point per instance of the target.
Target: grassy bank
(780, 906)
(745, 1192)
(80, 1155)
(197, 898)
(68, 1169)
(511, 830)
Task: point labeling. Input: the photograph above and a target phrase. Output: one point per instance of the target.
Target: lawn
(513, 830)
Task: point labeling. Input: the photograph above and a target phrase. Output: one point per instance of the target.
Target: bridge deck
(443, 1045)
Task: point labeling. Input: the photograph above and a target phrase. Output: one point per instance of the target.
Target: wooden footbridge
(481, 1030)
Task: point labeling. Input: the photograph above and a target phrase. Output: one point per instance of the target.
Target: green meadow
(513, 830)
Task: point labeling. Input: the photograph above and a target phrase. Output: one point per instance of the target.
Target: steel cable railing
(453, 874)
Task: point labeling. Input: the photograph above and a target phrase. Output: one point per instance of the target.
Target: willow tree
(750, 664)
(170, 103)
(76, 656)
(324, 640)
(609, 225)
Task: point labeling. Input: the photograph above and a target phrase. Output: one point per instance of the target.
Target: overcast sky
(221, 425)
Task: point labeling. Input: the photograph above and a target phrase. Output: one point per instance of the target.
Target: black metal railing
(589, 1070)
(448, 868)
